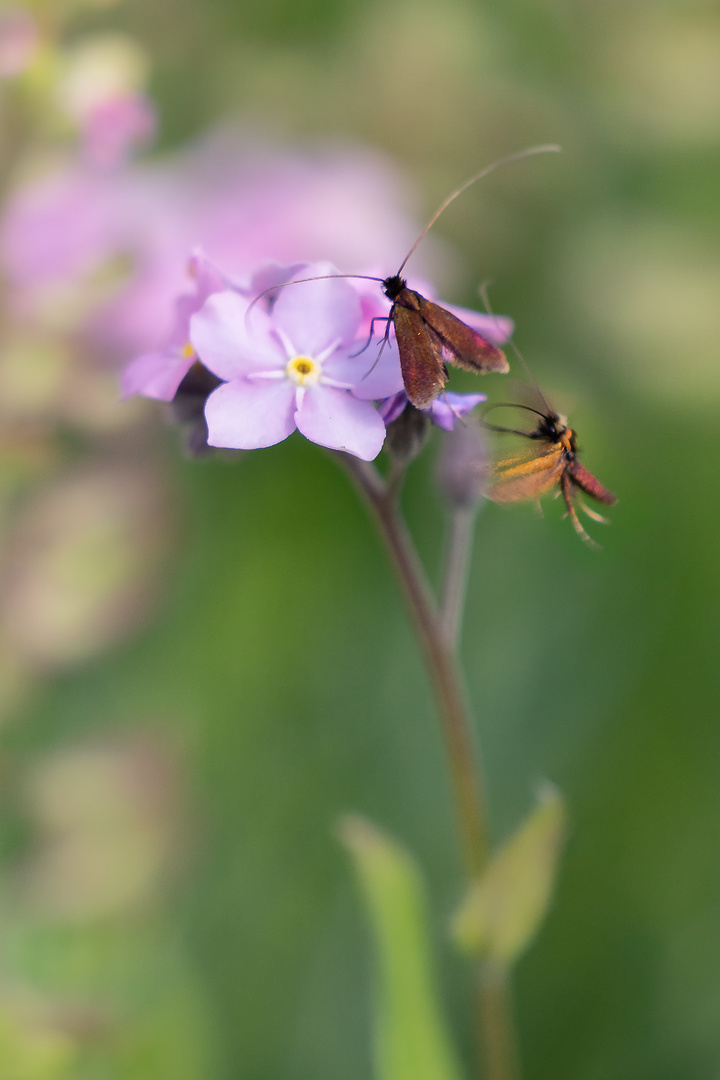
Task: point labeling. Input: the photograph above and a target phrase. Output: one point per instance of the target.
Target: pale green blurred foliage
(503, 910)
(33, 374)
(90, 979)
(106, 819)
(31, 1049)
(97, 67)
(661, 65)
(79, 563)
(411, 1042)
(661, 283)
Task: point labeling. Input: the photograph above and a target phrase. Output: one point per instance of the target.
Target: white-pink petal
(155, 375)
(370, 378)
(316, 314)
(244, 415)
(336, 419)
(231, 342)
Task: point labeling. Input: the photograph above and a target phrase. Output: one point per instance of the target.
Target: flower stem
(440, 658)
(495, 1022)
(438, 632)
(457, 567)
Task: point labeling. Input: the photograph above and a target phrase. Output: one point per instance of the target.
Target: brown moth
(428, 335)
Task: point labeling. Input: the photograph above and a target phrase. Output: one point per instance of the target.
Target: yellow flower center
(303, 370)
(187, 351)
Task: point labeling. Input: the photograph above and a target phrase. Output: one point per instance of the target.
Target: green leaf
(31, 1051)
(504, 908)
(411, 1042)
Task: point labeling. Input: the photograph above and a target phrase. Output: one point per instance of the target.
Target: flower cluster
(300, 356)
(92, 252)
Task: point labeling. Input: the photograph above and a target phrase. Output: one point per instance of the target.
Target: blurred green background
(176, 794)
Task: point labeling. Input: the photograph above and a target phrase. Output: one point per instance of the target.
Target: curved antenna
(521, 358)
(546, 148)
(509, 430)
(301, 281)
(514, 405)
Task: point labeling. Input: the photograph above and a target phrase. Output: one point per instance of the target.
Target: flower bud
(463, 466)
(407, 434)
(188, 408)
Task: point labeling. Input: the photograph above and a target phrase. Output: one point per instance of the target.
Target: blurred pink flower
(242, 200)
(158, 374)
(18, 42)
(115, 127)
(61, 226)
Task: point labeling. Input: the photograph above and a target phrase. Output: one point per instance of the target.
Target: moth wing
(517, 479)
(466, 348)
(423, 371)
(589, 484)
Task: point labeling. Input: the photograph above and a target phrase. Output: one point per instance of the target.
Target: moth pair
(429, 336)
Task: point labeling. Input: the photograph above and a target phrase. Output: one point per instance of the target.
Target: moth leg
(381, 350)
(371, 335)
(593, 513)
(568, 498)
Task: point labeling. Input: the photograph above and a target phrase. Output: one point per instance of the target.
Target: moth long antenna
(513, 405)
(301, 281)
(483, 290)
(546, 148)
(505, 430)
(532, 379)
(509, 405)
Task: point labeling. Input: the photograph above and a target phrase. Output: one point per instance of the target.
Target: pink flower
(443, 412)
(116, 126)
(243, 200)
(450, 407)
(291, 366)
(159, 374)
(18, 42)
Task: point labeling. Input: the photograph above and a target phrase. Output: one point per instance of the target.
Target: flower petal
(246, 415)
(336, 419)
(155, 375)
(206, 274)
(371, 374)
(392, 407)
(446, 409)
(317, 313)
(273, 273)
(227, 343)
